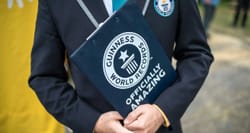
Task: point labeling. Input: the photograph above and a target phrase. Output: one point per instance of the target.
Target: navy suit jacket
(62, 26)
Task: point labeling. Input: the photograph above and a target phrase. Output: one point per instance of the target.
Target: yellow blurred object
(20, 109)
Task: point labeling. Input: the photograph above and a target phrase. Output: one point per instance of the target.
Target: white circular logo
(126, 60)
(164, 7)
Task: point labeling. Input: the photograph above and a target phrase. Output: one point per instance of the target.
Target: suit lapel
(141, 3)
(98, 10)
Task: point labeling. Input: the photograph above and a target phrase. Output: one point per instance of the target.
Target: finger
(120, 129)
(115, 115)
(132, 116)
(135, 126)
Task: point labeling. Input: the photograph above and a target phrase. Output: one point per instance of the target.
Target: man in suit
(209, 11)
(60, 29)
(242, 6)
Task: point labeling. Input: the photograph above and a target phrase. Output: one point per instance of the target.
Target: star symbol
(124, 55)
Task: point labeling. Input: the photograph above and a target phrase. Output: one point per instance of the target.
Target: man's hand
(110, 123)
(144, 119)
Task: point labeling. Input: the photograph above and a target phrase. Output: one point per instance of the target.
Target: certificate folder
(124, 60)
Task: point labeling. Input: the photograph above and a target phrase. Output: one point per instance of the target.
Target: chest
(74, 26)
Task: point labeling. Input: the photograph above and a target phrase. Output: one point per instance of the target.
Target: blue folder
(125, 61)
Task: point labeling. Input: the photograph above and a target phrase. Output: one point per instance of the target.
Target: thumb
(121, 129)
(117, 127)
(132, 116)
(115, 115)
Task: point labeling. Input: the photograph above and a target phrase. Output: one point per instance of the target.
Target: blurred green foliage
(226, 1)
(223, 19)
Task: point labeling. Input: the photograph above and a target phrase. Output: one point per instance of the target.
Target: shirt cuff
(166, 121)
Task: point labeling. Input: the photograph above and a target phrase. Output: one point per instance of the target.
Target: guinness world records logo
(126, 60)
(164, 8)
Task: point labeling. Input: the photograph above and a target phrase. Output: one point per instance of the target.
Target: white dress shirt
(108, 5)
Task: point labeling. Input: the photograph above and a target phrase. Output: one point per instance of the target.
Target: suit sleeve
(49, 79)
(193, 57)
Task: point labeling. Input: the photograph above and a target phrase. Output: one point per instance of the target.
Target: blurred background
(221, 106)
(223, 103)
